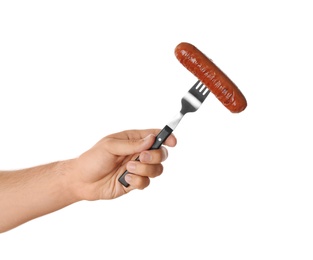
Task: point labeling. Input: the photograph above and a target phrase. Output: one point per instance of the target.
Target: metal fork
(191, 102)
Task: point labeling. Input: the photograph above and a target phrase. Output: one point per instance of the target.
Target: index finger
(171, 141)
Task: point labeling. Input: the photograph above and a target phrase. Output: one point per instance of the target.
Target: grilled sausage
(211, 76)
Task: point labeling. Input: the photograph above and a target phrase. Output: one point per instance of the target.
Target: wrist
(68, 172)
(76, 184)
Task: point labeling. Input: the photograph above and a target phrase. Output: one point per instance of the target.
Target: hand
(29, 193)
(98, 169)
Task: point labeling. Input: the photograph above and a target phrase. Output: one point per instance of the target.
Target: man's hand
(30, 193)
(98, 169)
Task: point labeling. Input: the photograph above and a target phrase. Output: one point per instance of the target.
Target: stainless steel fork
(192, 100)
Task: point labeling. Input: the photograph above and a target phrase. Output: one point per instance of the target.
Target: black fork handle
(159, 140)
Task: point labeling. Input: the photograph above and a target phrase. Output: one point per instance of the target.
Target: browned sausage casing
(211, 76)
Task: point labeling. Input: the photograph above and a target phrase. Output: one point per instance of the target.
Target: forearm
(34, 192)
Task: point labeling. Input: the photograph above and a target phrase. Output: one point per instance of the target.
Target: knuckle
(142, 183)
(158, 170)
(158, 156)
(150, 170)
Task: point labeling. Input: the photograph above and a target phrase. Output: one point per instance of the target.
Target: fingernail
(145, 157)
(131, 166)
(128, 178)
(165, 154)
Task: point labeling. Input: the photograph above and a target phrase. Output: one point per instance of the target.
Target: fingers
(124, 147)
(154, 156)
(148, 166)
(149, 163)
(147, 170)
(137, 182)
(134, 141)
(171, 141)
(131, 142)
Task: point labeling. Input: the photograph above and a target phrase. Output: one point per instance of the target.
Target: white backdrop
(236, 186)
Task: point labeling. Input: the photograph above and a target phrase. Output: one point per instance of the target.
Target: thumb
(130, 146)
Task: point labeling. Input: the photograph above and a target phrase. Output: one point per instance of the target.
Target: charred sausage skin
(211, 76)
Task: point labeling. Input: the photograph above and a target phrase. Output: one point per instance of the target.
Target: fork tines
(200, 91)
(194, 98)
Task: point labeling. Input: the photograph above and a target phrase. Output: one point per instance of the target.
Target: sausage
(211, 76)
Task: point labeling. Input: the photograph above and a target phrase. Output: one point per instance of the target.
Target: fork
(191, 102)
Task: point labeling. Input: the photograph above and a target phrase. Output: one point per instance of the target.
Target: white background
(236, 186)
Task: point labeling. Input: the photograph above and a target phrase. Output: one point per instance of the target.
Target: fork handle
(159, 140)
(161, 137)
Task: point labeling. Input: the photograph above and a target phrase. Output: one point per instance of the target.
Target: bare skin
(31, 193)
